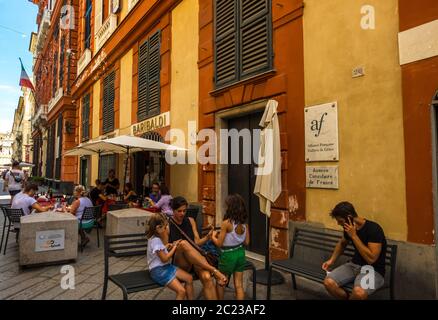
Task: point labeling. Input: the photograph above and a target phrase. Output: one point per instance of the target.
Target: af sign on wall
(321, 125)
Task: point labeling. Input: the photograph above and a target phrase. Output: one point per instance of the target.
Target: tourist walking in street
(14, 180)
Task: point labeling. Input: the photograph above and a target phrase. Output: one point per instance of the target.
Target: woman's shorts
(232, 260)
(163, 275)
(89, 224)
(13, 193)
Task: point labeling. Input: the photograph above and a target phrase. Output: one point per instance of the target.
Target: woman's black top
(112, 186)
(132, 198)
(186, 226)
(94, 195)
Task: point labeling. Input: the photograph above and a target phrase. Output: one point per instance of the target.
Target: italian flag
(24, 78)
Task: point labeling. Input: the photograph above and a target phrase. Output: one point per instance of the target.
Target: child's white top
(232, 239)
(154, 245)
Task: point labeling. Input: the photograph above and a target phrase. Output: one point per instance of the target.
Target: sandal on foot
(85, 242)
(222, 281)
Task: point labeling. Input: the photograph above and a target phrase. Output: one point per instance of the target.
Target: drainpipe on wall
(69, 55)
(434, 126)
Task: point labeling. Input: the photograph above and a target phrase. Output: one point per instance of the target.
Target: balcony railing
(105, 31)
(40, 116)
(44, 27)
(131, 4)
(84, 61)
(56, 98)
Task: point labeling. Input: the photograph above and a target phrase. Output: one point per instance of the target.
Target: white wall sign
(321, 131)
(151, 124)
(322, 177)
(49, 240)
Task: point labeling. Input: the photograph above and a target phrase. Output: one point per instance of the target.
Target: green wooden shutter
(107, 163)
(143, 67)
(243, 39)
(59, 155)
(149, 66)
(154, 74)
(86, 117)
(61, 62)
(108, 103)
(226, 41)
(255, 34)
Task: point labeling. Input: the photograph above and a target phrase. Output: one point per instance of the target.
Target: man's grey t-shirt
(24, 202)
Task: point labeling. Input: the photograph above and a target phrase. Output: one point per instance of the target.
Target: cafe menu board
(49, 240)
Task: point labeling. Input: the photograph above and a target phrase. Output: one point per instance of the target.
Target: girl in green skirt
(231, 239)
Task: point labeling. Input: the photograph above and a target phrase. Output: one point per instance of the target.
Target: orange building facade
(272, 45)
(54, 69)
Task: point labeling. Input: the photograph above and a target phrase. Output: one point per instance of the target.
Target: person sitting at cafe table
(164, 204)
(112, 184)
(96, 194)
(25, 201)
(129, 195)
(77, 209)
(155, 194)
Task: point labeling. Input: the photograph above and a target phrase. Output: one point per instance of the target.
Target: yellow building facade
(178, 78)
(370, 110)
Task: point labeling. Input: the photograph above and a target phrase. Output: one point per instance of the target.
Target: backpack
(17, 177)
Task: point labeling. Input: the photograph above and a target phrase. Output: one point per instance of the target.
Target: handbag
(211, 258)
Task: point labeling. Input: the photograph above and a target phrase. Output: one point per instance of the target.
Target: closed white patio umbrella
(268, 181)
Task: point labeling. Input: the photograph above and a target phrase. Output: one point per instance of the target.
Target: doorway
(85, 172)
(241, 179)
(155, 160)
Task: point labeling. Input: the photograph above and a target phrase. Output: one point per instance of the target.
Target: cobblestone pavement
(44, 282)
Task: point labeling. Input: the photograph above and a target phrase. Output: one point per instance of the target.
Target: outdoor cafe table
(48, 238)
(127, 221)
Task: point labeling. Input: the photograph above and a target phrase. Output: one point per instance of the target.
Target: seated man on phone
(369, 244)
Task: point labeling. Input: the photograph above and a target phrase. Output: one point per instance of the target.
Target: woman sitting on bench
(186, 256)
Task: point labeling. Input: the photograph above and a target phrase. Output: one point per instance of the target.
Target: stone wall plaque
(320, 177)
(321, 132)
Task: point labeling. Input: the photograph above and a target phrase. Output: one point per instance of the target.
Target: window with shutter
(61, 62)
(107, 163)
(55, 75)
(50, 151)
(87, 38)
(243, 40)
(149, 77)
(108, 103)
(86, 117)
(59, 153)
